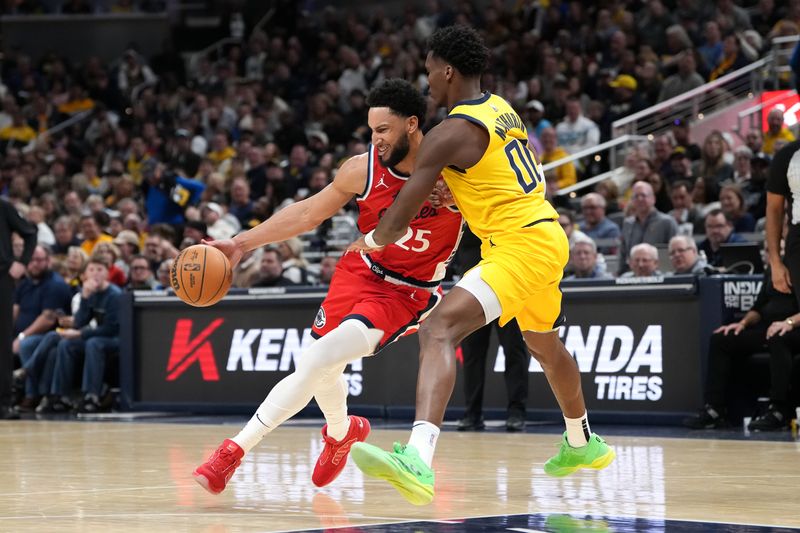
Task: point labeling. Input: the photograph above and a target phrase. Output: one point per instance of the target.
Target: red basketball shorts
(358, 293)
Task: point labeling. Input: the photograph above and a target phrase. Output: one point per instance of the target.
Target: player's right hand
(780, 278)
(229, 248)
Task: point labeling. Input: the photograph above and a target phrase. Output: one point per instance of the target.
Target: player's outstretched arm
(302, 216)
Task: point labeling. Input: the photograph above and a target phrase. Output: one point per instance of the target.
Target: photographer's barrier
(640, 349)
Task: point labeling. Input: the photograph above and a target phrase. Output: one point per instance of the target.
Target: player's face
(437, 79)
(389, 135)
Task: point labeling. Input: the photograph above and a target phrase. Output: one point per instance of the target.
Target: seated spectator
(141, 277)
(583, 260)
(164, 270)
(684, 257)
(92, 233)
(241, 205)
(566, 173)
(326, 269)
(732, 203)
(248, 269)
(719, 230)
(608, 189)
(295, 267)
(643, 262)
(218, 225)
(595, 223)
(766, 322)
(38, 298)
(732, 58)
(64, 230)
(646, 225)
(576, 132)
(688, 216)
(127, 242)
(776, 132)
(681, 132)
(535, 123)
(684, 80)
(109, 253)
(755, 141)
(93, 344)
(18, 132)
(712, 167)
(661, 192)
(271, 270)
(157, 249)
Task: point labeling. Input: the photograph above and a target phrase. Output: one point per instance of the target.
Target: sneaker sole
(323, 483)
(376, 465)
(598, 464)
(205, 483)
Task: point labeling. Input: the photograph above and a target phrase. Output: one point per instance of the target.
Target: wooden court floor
(112, 476)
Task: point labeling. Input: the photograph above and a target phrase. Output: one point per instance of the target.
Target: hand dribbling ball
(201, 275)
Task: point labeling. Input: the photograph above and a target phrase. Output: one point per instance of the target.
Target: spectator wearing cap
(535, 123)
(576, 132)
(681, 132)
(129, 244)
(595, 223)
(181, 157)
(625, 100)
(688, 216)
(566, 174)
(218, 225)
(776, 131)
(684, 257)
(167, 195)
(680, 166)
(684, 80)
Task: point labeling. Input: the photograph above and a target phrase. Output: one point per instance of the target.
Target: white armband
(369, 239)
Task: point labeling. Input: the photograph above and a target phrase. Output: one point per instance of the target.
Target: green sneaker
(597, 454)
(403, 468)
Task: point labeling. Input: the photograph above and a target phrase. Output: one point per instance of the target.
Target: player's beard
(398, 153)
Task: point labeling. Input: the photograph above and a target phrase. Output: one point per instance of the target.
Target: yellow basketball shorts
(524, 269)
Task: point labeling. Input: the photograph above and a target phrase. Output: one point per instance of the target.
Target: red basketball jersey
(422, 255)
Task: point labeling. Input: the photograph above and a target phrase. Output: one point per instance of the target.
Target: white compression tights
(318, 373)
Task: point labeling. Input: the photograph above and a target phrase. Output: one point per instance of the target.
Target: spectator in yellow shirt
(776, 131)
(138, 155)
(222, 152)
(92, 234)
(18, 130)
(566, 174)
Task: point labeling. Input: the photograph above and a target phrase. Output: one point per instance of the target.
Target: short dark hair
(717, 212)
(400, 97)
(688, 185)
(461, 47)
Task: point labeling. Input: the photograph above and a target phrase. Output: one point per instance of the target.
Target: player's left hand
(441, 195)
(361, 246)
(779, 328)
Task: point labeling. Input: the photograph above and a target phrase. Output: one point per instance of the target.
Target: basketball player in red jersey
(373, 298)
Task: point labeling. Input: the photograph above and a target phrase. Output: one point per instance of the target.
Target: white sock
(423, 437)
(578, 431)
(331, 398)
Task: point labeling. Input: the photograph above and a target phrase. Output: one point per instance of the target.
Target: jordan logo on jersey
(381, 183)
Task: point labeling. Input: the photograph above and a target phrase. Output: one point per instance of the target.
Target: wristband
(369, 239)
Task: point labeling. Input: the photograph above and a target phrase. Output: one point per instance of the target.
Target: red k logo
(186, 350)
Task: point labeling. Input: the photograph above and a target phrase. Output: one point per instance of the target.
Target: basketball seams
(203, 277)
(223, 279)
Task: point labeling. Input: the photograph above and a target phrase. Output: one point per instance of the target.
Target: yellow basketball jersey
(504, 191)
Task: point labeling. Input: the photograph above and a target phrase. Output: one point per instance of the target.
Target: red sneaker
(334, 456)
(215, 473)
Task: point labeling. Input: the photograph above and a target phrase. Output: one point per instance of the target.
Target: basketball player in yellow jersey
(497, 184)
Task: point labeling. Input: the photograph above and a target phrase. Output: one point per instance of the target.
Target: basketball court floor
(63, 475)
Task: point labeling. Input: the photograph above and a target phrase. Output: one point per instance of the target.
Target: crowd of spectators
(163, 153)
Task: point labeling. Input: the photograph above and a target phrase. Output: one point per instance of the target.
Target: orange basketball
(201, 275)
